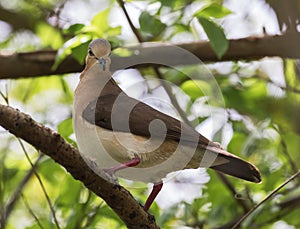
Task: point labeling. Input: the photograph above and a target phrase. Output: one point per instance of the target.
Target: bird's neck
(94, 83)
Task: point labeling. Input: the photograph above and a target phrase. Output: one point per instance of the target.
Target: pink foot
(135, 161)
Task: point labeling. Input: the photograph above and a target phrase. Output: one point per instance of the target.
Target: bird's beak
(102, 62)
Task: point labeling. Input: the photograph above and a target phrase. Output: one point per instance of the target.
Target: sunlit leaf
(115, 31)
(290, 73)
(196, 88)
(213, 10)
(255, 89)
(65, 129)
(216, 36)
(100, 20)
(49, 35)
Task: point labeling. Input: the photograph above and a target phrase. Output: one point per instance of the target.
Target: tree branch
(52, 144)
(39, 63)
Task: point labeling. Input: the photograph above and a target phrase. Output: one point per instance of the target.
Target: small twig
(134, 30)
(285, 208)
(91, 217)
(41, 184)
(31, 212)
(5, 97)
(290, 89)
(82, 209)
(265, 199)
(230, 187)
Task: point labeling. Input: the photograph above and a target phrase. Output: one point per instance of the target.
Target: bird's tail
(219, 159)
(238, 168)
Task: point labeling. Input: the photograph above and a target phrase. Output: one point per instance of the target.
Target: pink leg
(135, 161)
(155, 190)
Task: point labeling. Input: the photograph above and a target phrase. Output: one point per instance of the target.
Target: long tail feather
(238, 168)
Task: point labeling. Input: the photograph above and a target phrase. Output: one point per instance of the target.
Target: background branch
(39, 63)
(16, 195)
(52, 144)
(18, 20)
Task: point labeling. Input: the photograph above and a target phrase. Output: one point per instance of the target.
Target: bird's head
(98, 52)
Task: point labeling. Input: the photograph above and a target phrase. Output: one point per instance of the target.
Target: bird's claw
(112, 174)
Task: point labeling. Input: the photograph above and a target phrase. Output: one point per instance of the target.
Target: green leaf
(74, 29)
(49, 35)
(290, 74)
(216, 36)
(100, 20)
(68, 93)
(115, 31)
(175, 4)
(238, 140)
(175, 76)
(150, 26)
(213, 11)
(256, 90)
(196, 88)
(65, 129)
(100, 26)
(68, 47)
(79, 52)
(9, 173)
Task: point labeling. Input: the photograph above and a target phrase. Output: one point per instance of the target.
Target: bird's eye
(91, 53)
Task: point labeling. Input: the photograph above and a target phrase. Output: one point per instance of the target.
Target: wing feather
(122, 113)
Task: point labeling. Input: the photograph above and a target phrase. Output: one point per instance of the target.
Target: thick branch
(53, 145)
(39, 63)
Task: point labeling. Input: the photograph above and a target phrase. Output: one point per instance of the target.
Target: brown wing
(123, 113)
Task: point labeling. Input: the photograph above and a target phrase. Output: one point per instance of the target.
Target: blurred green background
(251, 107)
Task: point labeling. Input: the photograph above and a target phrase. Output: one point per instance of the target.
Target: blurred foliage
(260, 111)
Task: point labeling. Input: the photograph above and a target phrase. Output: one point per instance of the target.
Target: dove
(130, 139)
